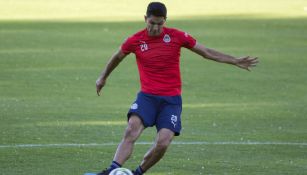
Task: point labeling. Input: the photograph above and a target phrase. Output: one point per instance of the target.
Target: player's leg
(141, 115)
(132, 133)
(168, 124)
(157, 151)
(125, 148)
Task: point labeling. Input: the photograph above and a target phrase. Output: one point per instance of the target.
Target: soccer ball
(121, 171)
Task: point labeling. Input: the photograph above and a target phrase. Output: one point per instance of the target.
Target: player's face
(154, 25)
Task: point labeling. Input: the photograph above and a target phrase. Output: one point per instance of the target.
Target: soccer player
(157, 51)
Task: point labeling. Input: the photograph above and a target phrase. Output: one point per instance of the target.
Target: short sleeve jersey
(158, 59)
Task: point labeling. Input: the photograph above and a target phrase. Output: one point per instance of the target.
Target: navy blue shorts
(159, 111)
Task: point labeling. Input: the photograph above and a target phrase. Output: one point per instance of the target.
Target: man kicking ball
(157, 51)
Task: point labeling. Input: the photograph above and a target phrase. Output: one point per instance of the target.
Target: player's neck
(155, 35)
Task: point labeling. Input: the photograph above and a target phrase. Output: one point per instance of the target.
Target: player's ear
(145, 18)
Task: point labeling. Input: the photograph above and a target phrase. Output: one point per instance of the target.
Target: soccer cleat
(105, 172)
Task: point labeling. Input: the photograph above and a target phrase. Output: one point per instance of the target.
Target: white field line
(148, 143)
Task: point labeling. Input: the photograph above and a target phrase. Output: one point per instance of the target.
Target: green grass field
(51, 55)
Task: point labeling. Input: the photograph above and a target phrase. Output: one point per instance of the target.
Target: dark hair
(156, 9)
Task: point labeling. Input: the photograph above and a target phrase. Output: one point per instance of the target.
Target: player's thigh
(134, 128)
(144, 107)
(170, 118)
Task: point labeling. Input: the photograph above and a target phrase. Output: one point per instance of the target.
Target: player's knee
(133, 131)
(131, 134)
(162, 144)
(165, 137)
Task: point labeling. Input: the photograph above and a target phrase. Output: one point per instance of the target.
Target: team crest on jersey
(166, 38)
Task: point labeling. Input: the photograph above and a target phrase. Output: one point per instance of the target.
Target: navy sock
(114, 165)
(139, 171)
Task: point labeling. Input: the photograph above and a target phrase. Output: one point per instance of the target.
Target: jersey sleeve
(128, 46)
(187, 40)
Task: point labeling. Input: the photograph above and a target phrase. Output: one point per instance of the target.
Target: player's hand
(247, 62)
(99, 85)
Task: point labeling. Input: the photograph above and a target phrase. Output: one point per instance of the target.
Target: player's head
(155, 18)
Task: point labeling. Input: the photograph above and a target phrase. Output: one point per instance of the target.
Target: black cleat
(104, 172)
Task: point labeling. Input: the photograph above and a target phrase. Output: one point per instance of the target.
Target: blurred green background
(123, 10)
(51, 53)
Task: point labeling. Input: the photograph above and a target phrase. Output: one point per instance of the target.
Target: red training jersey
(158, 58)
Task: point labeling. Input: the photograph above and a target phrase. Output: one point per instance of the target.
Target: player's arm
(243, 62)
(111, 65)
